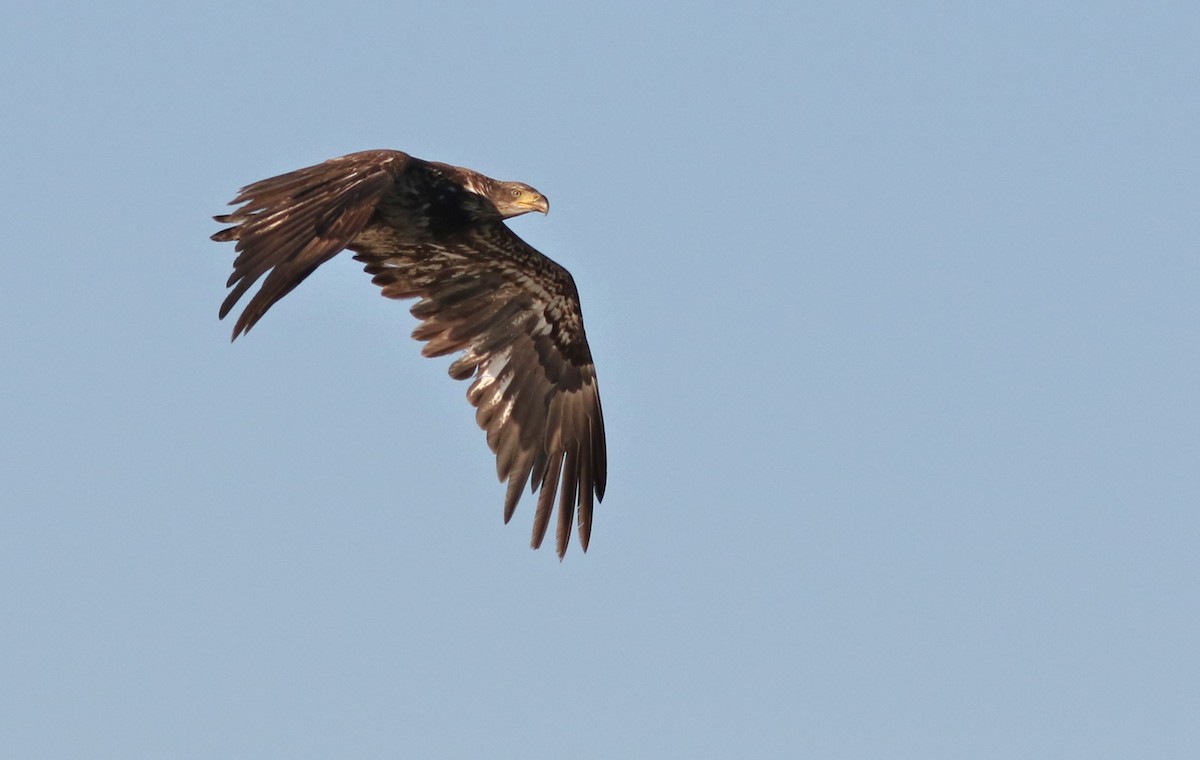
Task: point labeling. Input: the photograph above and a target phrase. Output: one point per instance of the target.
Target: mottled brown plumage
(436, 233)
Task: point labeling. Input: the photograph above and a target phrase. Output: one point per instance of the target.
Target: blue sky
(894, 308)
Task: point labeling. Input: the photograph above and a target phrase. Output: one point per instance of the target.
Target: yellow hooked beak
(534, 201)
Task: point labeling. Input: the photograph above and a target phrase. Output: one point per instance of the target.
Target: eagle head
(516, 198)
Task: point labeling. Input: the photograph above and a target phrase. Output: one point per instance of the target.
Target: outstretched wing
(514, 314)
(291, 224)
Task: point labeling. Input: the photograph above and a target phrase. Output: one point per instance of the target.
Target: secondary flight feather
(436, 233)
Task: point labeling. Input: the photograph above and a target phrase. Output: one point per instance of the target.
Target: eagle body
(436, 233)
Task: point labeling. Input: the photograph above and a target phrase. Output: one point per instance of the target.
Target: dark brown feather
(436, 233)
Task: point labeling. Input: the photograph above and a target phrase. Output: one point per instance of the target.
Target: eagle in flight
(436, 233)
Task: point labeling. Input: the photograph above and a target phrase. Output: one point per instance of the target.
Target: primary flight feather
(436, 233)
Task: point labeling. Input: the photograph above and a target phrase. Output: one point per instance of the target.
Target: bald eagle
(436, 233)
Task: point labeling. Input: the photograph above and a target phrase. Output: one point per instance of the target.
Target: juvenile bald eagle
(436, 232)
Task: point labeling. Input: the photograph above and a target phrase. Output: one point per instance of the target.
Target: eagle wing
(513, 314)
(291, 224)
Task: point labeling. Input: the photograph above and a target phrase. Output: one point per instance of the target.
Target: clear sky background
(895, 312)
